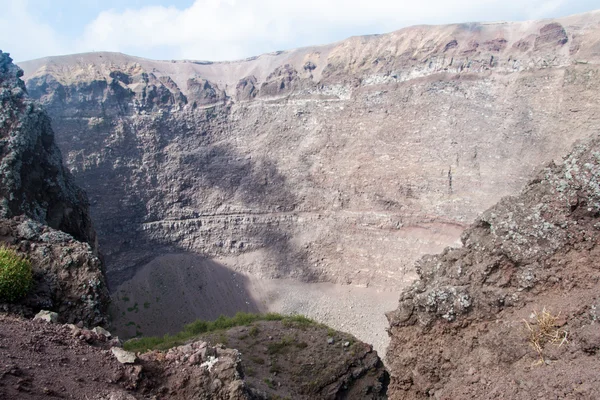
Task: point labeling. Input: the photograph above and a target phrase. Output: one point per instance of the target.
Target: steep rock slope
(513, 313)
(34, 181)
(37, 194)
(342, 163)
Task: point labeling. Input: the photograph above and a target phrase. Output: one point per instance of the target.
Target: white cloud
(231, 29)
(23, 36)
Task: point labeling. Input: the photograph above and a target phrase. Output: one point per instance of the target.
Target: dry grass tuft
(544, 330)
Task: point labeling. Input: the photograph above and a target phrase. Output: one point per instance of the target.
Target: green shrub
(254, 331)
(15, 275)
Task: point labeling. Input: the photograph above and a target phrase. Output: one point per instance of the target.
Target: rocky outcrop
(99, 369)
(512, 311)
(551, 36)
(68, 276)
(197, 371)
(201, 92)
(43, 214)
(34, 181)
(305, 361)
(246, 89)
(283, 80)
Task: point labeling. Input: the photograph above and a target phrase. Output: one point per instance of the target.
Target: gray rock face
(341, 163)
(34, 182)
(43, 214)
(68, 276)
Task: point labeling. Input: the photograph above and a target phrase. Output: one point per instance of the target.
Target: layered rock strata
(341, 163)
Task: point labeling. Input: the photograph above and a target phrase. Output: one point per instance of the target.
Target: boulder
(123, 356)
(47, 316)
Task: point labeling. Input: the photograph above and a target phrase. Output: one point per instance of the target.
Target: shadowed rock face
(342, 163)
(43, 214)
(34, 182)
(464, 329)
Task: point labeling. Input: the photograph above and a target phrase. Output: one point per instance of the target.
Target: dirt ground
(274, 359)
(40, 360)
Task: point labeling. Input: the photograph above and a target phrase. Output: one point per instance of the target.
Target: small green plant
(299, 321)
(269, 383)
(15, 275)
(256, 359)
(283, 346)
(275, 368)
(134, 308)
(222, 338)
(254, 331)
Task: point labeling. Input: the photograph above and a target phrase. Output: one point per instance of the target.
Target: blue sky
(231, 29)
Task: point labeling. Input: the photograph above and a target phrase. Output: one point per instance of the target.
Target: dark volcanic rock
(461, 325)
(246, 89)
(201, 92)
(34, 181)
(551, 35)
(68, 277)
(37, 194)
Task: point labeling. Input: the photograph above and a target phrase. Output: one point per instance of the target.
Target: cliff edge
(43, 214)
(34, 181)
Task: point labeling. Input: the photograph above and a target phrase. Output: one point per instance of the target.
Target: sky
(218, 30)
